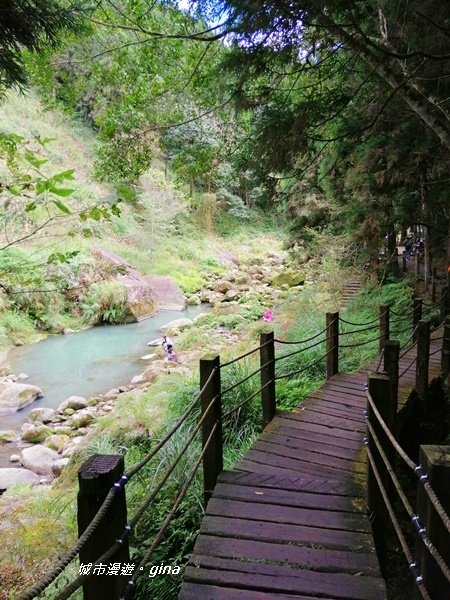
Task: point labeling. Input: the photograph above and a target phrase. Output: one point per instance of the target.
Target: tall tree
(32, 25)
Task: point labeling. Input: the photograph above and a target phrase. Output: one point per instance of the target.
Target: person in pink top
(268, 315)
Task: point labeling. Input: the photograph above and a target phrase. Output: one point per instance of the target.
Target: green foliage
(34, 27)
(105, 303)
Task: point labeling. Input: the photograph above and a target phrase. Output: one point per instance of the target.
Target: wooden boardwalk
(290, 522)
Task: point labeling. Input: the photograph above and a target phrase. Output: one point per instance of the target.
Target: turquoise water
(89, 362)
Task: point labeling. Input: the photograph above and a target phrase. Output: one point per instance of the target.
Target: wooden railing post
(332, 344)
(379, 388)
(391, 360)
(417, 314)
(213, 457)
(435, 462)
(95, 479)
(445, 353)
(423, 358)
(384, 325)
(267, 364)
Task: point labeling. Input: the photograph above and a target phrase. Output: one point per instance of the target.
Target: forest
(258, 155)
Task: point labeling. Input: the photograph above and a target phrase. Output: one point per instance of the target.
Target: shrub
(105, 303)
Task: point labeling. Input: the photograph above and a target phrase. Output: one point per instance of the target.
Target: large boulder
(14, 396)
(289, 278)
(41, 415)
(11, 476)
(224, 286)
(59, 465)
(176, 325)
(82, 419)
(74, 403)
(141, 301)
(36, 433)
(39, 459)
(56, 441)
(168, 295)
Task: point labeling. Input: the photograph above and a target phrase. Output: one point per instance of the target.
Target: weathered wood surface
(290, 521)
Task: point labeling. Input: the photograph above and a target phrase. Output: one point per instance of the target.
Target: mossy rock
(36, 434)
(289, 278)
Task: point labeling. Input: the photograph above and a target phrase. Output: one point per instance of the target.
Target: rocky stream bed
(50, 437)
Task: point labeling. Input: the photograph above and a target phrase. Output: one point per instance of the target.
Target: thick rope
(409, 509)
(304, 341)
(304, 368)
(401, 538)
(417, 469)
(237, 384)
(241, 404)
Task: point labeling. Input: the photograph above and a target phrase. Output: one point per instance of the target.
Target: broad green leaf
(64, 176)
(34, 160)
(62, 207)
(41, 186)
(95, 214)
(30, 207)
(64, 192)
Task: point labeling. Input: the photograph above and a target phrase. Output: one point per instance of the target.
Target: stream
(89, 362)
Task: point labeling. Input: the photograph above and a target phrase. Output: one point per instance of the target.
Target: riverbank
(238, 294)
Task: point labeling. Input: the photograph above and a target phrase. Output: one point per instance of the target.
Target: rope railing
(249, 353)
(244, 402)
(283, 356)
(408, 507)
(56, 570)
(370, 328)
(268, 379)
(241, 381)
(303, 369)
(414, 331)
(357, 344)
(416, 469)
(168, 519)
(303, 341)
(375, 320)
(407, 368)
(81, 579)
(401, 538)
(409, 312)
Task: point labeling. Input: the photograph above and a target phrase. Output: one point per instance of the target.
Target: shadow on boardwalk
(290, 522)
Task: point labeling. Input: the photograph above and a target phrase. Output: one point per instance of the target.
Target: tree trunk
(426, 231)
(420, 104)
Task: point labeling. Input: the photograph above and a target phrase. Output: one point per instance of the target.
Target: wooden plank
(198, 591)
(346, 389)
(275, 579)
(223, 527)
(309, 485)
(321, 438)
(281, 497)
(314, 427)
(333, 395)
(304, 454)
(327, 406)
(311, 415)
(255, 467)
(294, 465)
(307, 444)
(289, 554)
(293, 515)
